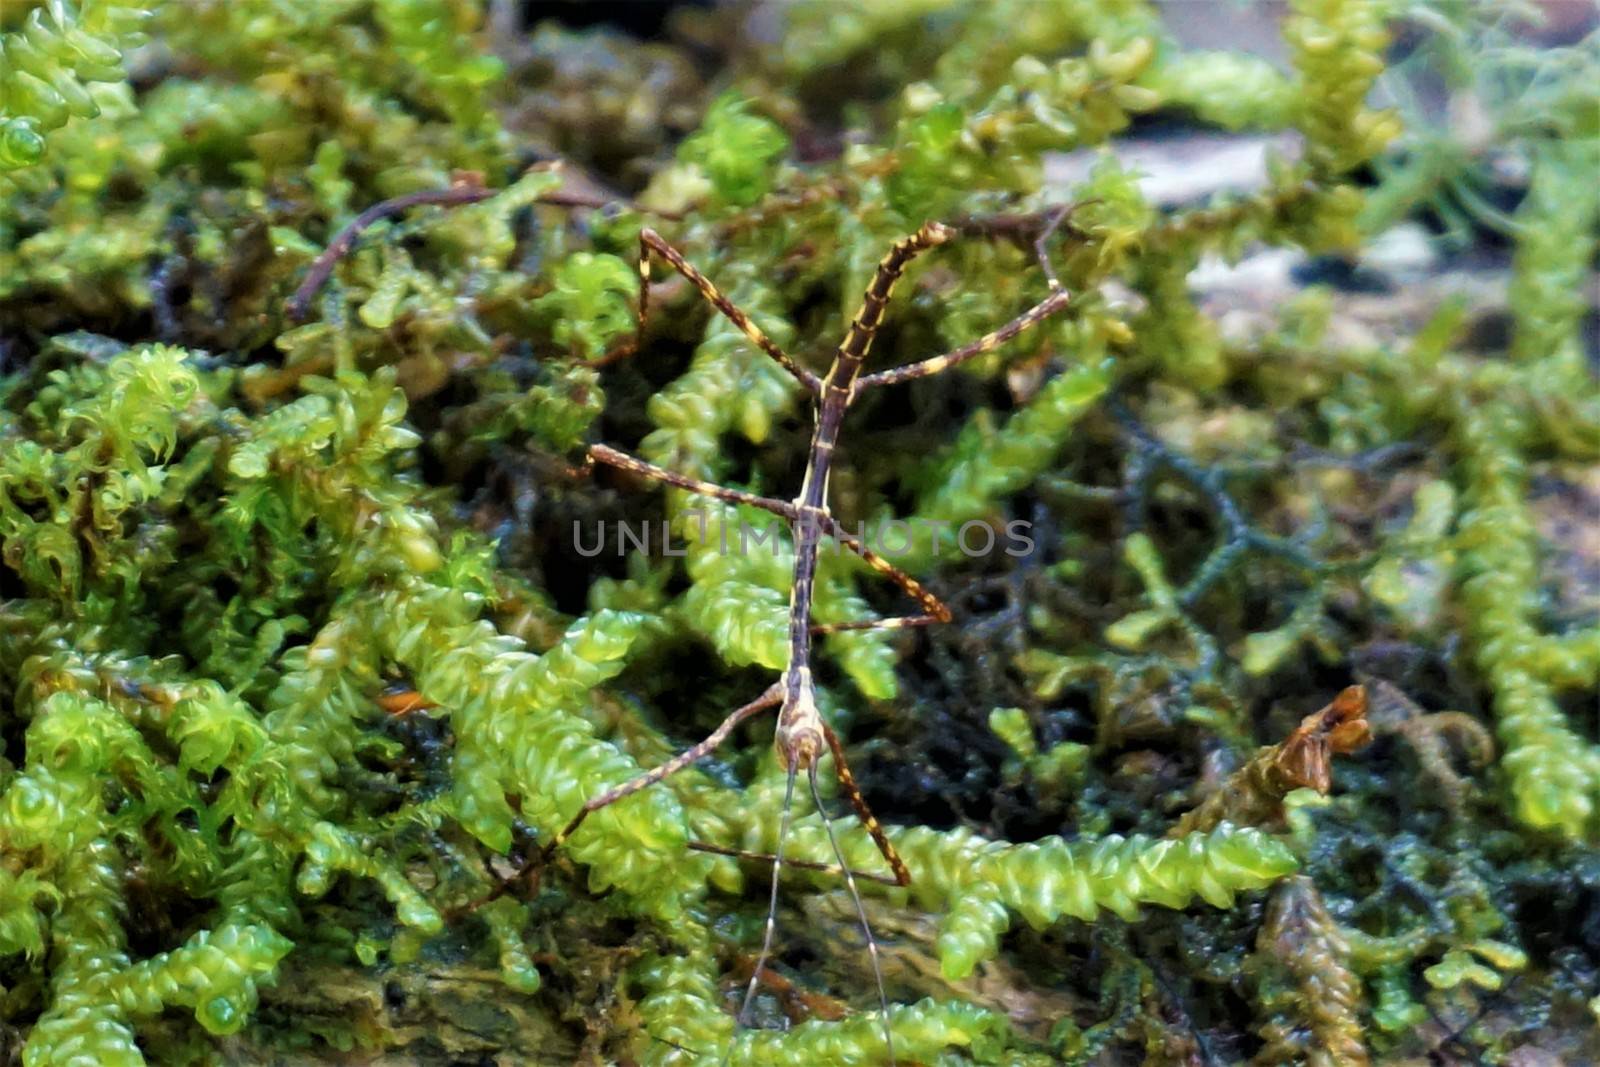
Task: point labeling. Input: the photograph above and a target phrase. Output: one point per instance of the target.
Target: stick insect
(802, 735)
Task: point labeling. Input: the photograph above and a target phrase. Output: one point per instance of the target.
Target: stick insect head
(799, 739)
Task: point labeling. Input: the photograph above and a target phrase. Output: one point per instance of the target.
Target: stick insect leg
(770, 698)
(857, 340)
(622, 461)
(1056, 301)
(934, 610)
(898, 622)
(864, 325)
(1036, 227)
(841, 767)
(1057, 217)
(652, 242)
(1050, 305)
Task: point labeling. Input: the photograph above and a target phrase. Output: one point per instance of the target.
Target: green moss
(54, 66)
(224, 536)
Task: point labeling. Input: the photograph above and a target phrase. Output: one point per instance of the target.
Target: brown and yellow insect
(802, 735)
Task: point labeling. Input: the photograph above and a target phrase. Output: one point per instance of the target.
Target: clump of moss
(300, 662)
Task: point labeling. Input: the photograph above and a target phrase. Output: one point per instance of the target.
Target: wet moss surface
(304, 660)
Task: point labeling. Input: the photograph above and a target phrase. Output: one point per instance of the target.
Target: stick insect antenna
(772, 907)
(861, 911)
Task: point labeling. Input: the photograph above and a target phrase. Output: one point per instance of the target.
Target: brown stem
(468, 191)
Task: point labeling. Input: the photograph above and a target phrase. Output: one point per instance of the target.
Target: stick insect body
(802, 735)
